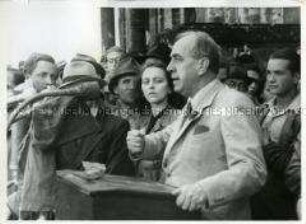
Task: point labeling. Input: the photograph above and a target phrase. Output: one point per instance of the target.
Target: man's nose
(132, 85)
(271, 78)
(170, 67)
(49, 80)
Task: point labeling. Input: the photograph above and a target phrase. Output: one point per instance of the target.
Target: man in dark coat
(69, 130)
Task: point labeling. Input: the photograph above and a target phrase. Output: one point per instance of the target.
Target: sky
(60, 29)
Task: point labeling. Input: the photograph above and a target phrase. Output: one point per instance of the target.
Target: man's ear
(203, 65)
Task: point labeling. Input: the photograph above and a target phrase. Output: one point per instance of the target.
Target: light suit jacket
(219, 147)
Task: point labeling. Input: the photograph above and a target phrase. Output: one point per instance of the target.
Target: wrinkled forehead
(183, 46)
(114, 55)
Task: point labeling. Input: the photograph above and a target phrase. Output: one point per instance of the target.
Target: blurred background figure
(110, 61)
(157, 87)
(14, 78)
(237, 78)
(113, 57)
(256, 83)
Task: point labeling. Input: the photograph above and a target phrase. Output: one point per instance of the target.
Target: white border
(144, 4)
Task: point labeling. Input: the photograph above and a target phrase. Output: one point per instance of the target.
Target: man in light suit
(213, 150)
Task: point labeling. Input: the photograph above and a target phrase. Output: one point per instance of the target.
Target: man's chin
(177, 89)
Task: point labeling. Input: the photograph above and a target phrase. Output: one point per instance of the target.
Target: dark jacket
(63, 135)
(277, 199)
(85, 138)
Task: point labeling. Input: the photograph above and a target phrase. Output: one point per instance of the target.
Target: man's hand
(135, 141)
(191, 197)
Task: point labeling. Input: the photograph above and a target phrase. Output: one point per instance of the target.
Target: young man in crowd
(281, 125)
(40, 73)
(214, 159)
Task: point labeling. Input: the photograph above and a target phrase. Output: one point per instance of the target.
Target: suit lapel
(184, 126)
(207, 96)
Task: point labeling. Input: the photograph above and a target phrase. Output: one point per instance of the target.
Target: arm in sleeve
(246, 172)
(156, 142)
(46, 120)
(292, 174)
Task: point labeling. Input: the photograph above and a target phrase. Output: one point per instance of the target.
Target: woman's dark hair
(174, 99)
(261, 81)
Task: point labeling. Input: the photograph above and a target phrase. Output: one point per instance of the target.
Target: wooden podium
(115, 198)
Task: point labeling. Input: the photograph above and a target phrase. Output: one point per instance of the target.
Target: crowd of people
(228, 141)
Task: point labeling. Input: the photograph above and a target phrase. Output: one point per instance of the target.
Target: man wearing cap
(67, 131)
(213, 157)
(125, 83)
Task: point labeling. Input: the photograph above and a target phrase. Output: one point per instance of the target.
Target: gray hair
(204, 46)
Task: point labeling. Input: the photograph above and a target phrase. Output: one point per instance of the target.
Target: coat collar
(205, 97)
(294, 105)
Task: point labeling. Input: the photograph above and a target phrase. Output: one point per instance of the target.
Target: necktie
(189, 112)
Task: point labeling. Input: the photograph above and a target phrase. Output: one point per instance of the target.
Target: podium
(115, 198)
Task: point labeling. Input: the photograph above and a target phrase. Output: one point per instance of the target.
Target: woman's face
(154, 85)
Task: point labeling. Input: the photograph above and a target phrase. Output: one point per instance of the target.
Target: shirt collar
(294, 105)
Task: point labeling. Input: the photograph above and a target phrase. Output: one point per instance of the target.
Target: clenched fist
(135, 142)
